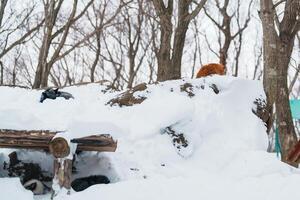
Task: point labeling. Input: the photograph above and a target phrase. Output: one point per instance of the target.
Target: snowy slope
(226, 156)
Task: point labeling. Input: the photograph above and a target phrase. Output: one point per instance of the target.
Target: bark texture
(277, 49)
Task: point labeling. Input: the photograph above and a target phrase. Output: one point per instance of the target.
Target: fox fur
(209, 69)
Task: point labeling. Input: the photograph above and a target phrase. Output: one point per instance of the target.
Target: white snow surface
(11, 188)
(226, 157)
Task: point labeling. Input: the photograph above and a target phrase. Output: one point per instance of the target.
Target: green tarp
(295, 108)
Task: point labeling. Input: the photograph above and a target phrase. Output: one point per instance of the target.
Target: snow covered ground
(225, 158)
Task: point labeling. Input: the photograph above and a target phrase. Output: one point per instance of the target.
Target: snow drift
(225, 157)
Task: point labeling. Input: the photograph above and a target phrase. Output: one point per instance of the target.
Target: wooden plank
(28, 133)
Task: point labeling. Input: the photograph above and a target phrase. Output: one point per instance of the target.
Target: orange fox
(211, 68)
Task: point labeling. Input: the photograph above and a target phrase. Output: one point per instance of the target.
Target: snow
(226, 157)
(11, 188)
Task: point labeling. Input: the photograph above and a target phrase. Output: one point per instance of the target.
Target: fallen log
(59, 147)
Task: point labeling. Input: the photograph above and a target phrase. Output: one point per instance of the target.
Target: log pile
(58, 146)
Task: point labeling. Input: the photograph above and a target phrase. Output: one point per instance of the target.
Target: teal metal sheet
(295, 108)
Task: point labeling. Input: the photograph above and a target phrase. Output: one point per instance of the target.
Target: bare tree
(278, 41)
(257, 52)
(135, 47)
(225, 28)
(51, 10)
(152, 35)
(115, 56)
(168, 58)
(15, 32)
(196, 54)
(99, 16)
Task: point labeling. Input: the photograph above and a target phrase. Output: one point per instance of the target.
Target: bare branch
(196, 11)
(21, 40)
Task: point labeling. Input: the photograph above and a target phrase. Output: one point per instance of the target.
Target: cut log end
(59, 147)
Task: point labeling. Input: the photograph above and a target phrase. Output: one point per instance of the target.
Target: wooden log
(32, 139)
(96, 143)
(63, 173)
(59, 147)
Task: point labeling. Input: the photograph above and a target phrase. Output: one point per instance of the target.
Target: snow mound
(224, 156)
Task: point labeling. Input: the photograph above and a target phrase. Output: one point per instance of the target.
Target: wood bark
(63, 173)
(277, 49)
(59, 147)
(97, 55)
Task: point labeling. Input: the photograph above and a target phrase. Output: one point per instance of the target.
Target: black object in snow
(53, 93)
(81, 184)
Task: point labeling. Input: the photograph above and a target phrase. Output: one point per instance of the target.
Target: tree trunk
(179, 40)
(169, 66)
(228, 38)
(164, 54)
(45, 76)
(93, 68)
(224, 51)
(270, 43)
(288, 137)
(41, 75)
(131, 58)
(277, 50)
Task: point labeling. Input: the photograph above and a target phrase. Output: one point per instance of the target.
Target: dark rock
(81, 184)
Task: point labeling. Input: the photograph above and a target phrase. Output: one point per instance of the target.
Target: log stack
(58, 146)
